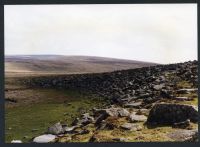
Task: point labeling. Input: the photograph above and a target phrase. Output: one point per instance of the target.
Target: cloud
(163, 33)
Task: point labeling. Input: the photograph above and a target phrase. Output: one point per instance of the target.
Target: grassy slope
(21, 120)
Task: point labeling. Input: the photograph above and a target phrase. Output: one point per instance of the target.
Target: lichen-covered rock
(168, 114)
(131, 127)
(86, 119)
(123, 112)
(113, 112)
(137, 118)
(184, 135)
(56, 129)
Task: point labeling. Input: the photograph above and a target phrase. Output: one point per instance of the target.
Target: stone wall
(146, 82)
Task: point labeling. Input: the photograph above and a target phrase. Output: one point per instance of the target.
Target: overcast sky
(162, 33)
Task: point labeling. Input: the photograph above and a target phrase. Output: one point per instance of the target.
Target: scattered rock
(137, 118)
(131, 127)
(69, 129)
(56, 129)
(46, 138)
(184, 135)
(183, 124)
(123, 112)
(113, 112)
(182, 91)
(158, 87)
(86, 119)
(84, 131)
(143, 112)
(182, 98)
(133, 105)
(16, 141)
(76, 122)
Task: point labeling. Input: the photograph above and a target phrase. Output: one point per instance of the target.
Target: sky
(161, 33)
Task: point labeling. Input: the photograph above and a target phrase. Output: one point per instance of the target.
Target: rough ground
(134, 102)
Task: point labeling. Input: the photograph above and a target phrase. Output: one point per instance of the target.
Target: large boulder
(168, 114)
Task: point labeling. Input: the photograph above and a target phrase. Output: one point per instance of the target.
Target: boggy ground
(44, 106)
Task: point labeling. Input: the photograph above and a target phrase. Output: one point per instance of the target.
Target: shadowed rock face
(168, 114)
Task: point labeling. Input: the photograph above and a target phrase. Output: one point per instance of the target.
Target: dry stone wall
(121, 86)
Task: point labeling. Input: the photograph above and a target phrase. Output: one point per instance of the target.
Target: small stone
(137, 118)
(69, 129)
(84, 131)
(16, 141)
(182, 98)
(143, 112)
(158, 87)
(46, 138)
(55, 129)
(133, 105)
(123, 112)
(131, 127)
(76, 121)
(183, 124)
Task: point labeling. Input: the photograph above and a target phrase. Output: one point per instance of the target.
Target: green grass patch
(26, 122)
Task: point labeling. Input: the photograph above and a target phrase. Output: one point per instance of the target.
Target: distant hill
(58, 64)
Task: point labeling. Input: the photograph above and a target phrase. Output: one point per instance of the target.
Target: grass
(20, 121)
(156, 134)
